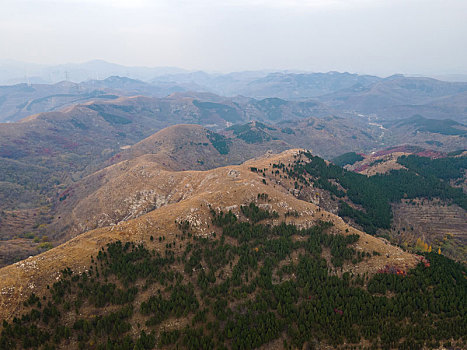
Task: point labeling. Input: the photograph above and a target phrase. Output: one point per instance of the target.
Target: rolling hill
(44, 155)
(46, 194)
(388, 98)
(22, 100)
(402, 97)
(104, 197)
(237, 259)
(158, 213)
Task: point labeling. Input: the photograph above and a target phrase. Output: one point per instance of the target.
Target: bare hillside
(189, 196)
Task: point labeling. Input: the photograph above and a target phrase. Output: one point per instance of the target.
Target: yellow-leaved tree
(420, 245)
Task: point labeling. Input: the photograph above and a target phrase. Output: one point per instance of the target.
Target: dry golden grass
(192, 193)
(378, 164)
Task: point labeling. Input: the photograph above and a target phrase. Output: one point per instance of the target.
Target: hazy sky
(366, 36)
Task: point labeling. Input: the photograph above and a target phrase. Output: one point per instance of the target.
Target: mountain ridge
(223, 188)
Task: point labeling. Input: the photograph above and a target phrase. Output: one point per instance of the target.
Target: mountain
(448, 107)
(96, 130)
(19, 101)
(337, 134)
(236, 260)
(443, 135)
(398, 97)
(432, 218)
(327, 137)
(417, 123)
(12, 72)
(453, 105)
(452, 77)
(41, 169)
(260, 85)
(386, 99)
(124, 86)
(56, 202)
(87, 204)
(193, 147)
(304, 86)
(220, 84)
(157, 216)
(44, 155)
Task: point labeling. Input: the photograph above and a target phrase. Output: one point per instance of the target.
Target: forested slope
(241, 290)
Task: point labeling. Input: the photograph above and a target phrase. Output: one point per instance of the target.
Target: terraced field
(435, 223)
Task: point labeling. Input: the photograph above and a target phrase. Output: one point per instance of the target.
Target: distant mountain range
(21, 100)
(383, 99)
(13, 72)
(244, 210)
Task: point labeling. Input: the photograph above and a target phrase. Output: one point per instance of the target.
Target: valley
(137, 217)
(233, 175)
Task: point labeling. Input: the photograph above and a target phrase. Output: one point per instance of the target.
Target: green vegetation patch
(347, 159)
(256, 214)
(251, 134)
(219, 142)
(288, 131)
(242, 290)
(114, 119)
(449, 168)
(78, 124)
(438, 126)
(376, 193)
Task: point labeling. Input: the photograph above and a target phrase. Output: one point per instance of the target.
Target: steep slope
(51, 190)
(45, 154)
(102, 127)
(137, 183)
(194, 193)
(65, 145)
(75, 141)
(237, 262)
(435, 220)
